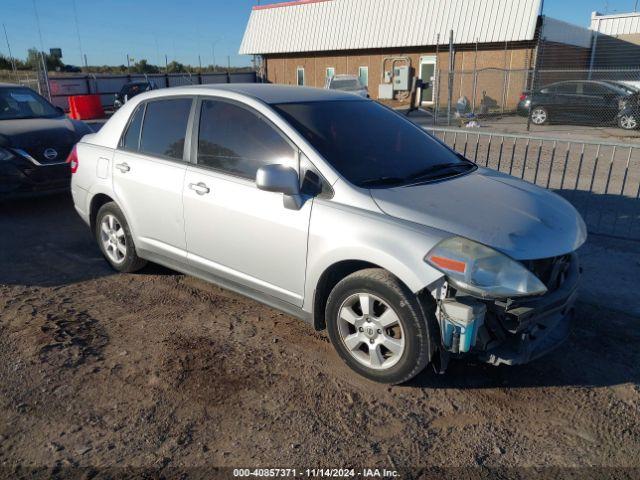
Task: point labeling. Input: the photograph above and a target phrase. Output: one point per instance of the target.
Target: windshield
(19, 102)
(627, 89)
(370, 145)
(347, 84)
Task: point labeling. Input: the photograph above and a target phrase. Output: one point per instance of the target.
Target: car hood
(512, 216)
(24, 133)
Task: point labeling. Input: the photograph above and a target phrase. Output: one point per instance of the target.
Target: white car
(337, 210)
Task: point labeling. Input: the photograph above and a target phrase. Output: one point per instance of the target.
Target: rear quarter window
(131, 138)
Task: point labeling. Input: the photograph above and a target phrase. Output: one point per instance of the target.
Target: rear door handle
(123, 167)
(200, 188)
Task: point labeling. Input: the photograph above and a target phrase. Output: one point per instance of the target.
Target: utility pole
(166, 63)
(128, 64)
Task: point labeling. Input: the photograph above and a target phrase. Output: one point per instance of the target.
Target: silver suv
(336, 210)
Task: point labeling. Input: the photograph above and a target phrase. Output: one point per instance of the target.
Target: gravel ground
(157, 370)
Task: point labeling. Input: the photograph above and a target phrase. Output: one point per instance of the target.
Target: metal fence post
(450, 83)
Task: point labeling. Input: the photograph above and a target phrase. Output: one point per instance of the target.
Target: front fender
(339, 233)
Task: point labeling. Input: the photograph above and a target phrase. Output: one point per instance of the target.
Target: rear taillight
(523, 97)
(72, 160)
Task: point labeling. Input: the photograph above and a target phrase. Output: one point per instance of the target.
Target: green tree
(144, 67)
(5, 63)
(34, 60)
(176, 67)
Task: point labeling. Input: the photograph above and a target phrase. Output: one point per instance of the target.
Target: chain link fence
(539, 99)
(601, 179)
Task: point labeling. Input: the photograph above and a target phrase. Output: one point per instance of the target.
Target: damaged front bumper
(517, 331)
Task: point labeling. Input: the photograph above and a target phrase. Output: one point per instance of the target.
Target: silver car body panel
(278, 255)
(515, 217)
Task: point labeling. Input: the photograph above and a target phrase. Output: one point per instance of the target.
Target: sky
(108, 30)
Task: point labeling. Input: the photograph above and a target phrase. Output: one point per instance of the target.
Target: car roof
(265, 92)
(7, 85)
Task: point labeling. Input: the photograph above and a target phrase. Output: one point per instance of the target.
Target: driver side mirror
(281, 179)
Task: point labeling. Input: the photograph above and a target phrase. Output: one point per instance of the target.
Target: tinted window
(237, 141)
(132, 137)
(567, 88)
(596, 89)
(369, 144)
(165, 127)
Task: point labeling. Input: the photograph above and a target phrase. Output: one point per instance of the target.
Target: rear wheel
(378, 327)
(539, 116)
(628, 121)
(115, 240)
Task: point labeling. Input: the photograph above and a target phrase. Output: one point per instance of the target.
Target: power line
(35, 10)
(75, 15)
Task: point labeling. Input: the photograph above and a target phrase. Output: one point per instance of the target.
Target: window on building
(165, 127)
(363, 75)
(237, 141)
(331, 72)
(131, 139)
(300, 76)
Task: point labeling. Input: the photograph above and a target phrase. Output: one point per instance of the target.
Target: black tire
(412, 317)
(539, 115)
(628, 121)
(131, 262)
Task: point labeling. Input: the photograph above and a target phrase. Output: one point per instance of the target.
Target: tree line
(55, 64)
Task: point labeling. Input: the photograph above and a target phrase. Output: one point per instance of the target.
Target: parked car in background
(347, 83)
(339, 211)
(593, 102)
(130, 90)
(35, 140)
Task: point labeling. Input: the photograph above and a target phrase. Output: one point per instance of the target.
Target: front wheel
(628, 121)
(539, 116)
(378, 327)
(115, 239)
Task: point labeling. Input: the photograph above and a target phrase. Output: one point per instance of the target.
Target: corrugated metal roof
(620, 24)
(325, 25)
(562, 32)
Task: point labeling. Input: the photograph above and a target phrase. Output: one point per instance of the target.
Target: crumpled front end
(511, 331)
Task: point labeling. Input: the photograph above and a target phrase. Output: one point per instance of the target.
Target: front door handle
(123, 167)
(200, 188)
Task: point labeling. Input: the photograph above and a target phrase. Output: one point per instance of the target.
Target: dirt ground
(104, 373)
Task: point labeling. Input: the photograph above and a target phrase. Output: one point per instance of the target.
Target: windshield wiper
(438, 171)
(382, 181)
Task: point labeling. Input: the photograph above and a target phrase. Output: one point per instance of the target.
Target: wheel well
(329, 279)
(96, 202)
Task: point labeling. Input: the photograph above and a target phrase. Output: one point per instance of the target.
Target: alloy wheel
(113, 239)
(539, 116)
(371, 331)
(628, 122)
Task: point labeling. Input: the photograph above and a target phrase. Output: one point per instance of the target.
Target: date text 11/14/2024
(315, 473)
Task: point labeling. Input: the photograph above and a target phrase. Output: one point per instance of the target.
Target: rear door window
(165, 127)
(567, 88)
(238, 141)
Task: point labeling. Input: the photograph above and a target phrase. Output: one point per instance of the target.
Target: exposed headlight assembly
(483, 271)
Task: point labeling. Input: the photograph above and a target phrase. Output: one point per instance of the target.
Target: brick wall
(282, 68)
